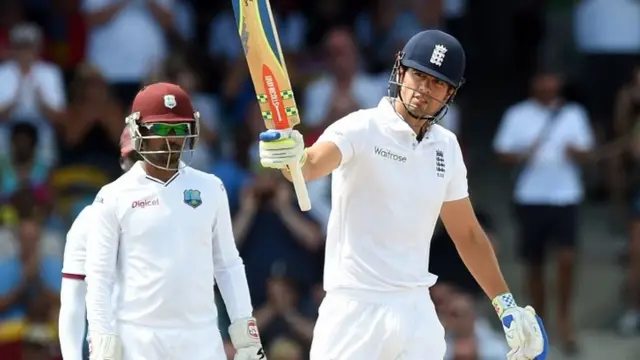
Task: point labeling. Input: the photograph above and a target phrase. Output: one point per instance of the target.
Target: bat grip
(300, 187)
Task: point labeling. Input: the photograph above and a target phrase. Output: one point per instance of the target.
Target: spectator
(606, 38)
(11, 14)
(23, 169)
(382, 30)
(282, 314)
(628, 117)
(126, 39)
(470, 337)
(30, 265)
(66, 35)
(90, 133)
(225, 49)
(344, 89)
(269, 228)
(32, 91)
(285, 349)
(547, 139)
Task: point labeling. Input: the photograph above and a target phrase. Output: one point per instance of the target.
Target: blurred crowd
(69, 70)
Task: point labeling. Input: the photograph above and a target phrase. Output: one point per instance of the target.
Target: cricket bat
(261, 44)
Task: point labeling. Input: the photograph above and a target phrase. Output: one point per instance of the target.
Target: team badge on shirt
(192, 198)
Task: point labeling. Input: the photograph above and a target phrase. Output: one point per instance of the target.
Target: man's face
(167, 144)
(424, 94)
(342, 54)
(25, 53)
(22, 147)
(546, 87)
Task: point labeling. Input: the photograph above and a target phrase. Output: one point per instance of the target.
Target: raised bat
(262, 50)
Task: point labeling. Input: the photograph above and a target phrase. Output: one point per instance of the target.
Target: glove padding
(523, 329)
(246, 340)
(280, 149)
(105, 347)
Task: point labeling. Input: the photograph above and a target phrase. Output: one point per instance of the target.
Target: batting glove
(245, 338)
(281, 148)
(523, 329)
(104, 347)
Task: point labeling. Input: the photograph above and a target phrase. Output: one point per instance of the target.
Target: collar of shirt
(138, 170)
(397, 124)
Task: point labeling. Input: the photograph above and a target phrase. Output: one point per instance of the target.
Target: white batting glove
(523, 329)
(246, 339)
(105, 347)
(281, 148)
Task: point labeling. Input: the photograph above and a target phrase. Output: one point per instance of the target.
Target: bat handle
(300, 187)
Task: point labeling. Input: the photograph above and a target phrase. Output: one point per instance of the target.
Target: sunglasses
(165, 129)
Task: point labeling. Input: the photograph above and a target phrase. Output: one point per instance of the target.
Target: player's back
(386, 198)
(165, 263)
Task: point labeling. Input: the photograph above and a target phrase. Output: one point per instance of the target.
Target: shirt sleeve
(504, 142)
(348, 134)
(102, 250)
(75, 249)
(583, 135)
(71, 323)
(228, 266)
(458, 187)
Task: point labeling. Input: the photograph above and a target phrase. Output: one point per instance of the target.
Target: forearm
(320, 160)
(162, 16)
(302, 229)
(478, 255)
(300, 325)
(54, 116)
(102, 16)
(242, 224)
(98, 302)
(71, 324)
(232, 282)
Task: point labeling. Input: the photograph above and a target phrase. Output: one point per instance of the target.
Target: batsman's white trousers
(150, 343)
(367, 325)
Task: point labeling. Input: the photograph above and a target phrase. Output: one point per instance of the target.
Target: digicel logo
(144, 203)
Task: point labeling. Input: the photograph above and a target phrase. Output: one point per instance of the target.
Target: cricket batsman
(160, 235)
(395, 170)
(71, 323)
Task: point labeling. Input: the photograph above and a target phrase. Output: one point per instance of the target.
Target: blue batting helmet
(437, 54)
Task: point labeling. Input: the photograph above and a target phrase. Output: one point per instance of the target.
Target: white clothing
(163, 243)
(355, 325)
(75, 249)
(130, 44)
(386, 199)
(607, 26)
(72, 319)
(365, 90)
(44, 79)
(150, 343)
(550, 177)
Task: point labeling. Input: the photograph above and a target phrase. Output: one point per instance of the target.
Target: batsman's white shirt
(163, 243)
(386, 198)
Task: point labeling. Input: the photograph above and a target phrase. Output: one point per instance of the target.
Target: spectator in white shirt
(344, 88)
(547, 139)
(607, 35)
(127, 40)
(32, 91)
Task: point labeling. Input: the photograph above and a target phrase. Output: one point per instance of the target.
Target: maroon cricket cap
(163, 102)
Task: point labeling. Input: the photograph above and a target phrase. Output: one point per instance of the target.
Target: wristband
(503, 302)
